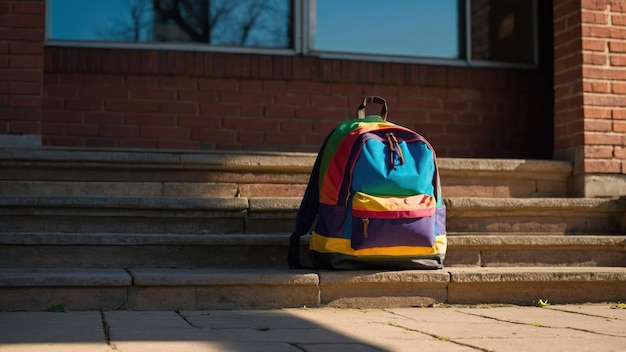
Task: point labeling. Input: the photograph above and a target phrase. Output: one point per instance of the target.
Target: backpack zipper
(394, 149)
(366, 222)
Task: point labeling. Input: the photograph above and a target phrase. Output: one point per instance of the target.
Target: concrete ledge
(220, 160)
(123, 215)
(456, 240)
(257, 161)
(567, 274)
(246, 250)
(372, 289)
(217, 277)
(170, 289)
(135, 239)
(258, 174)
(470, 177)
(518, 166)
(64, 277)
(556, 215)
(524, 286)
(526, 250)
(545, 204)
(202, 203)
(160, 289)
(75, 289)
(277, 214)
(275, 204)
(547, 240)
(117, 189)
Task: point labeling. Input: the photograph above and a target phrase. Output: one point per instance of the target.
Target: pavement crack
(539, 325)
(106, 328)
(532, 323)
(581, 313)
(296, 345)
(186, 319)
(438, 337)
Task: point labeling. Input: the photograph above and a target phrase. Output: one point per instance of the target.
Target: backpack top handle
(373, 99)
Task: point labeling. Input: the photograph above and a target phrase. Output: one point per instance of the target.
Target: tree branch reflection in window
(256, 23)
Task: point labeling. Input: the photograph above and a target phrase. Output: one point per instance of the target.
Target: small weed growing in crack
(541, 303)
(619, 305)
(536, 324)
(57, 308)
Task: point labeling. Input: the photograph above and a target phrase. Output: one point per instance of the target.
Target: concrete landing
(588, 327)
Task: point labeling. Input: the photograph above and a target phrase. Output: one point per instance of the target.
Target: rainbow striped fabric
(379, 202)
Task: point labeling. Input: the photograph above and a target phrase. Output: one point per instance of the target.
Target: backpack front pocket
(385, 221)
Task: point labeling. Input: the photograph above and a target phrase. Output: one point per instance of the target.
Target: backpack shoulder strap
(307, 212)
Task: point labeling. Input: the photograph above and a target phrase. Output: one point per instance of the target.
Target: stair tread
(256, 159)
(454, 239)
(238, 276)
(293, 203)
(64, 277)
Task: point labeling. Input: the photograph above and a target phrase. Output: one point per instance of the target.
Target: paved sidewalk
(590, 327)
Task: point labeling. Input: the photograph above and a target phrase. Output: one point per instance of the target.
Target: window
(411, 28)
(241, 23)
(455, 32)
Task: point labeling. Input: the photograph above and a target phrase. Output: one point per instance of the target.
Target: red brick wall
(590, 84)
(166, 99)
(21, 66)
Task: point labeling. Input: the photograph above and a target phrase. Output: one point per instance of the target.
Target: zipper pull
(398, 150)
(392, 150)
(366, 222)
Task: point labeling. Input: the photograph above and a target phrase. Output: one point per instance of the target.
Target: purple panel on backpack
(393, 232)
(330, 220)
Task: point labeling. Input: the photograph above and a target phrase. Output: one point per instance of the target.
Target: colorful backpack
(375, 198)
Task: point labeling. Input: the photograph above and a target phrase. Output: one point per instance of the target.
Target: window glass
(503, 30)
(491, 31)
(397, 27)
(255, 23)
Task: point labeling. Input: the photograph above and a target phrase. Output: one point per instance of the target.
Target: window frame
(302, 32)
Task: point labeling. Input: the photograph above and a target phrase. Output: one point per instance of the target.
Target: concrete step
(201, 215)
(147, 214)
(173, 289)
(59, 172)
(562, 215)
(127, 250)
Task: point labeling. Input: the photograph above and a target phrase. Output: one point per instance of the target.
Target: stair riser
(197, 222)
(149, 189)
(524, 293)
(171, 289)
(144, 222)
(172, 256)
(570, 223)
(275, 256)
(498, 186)
(524, 256)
